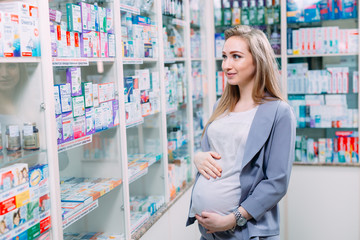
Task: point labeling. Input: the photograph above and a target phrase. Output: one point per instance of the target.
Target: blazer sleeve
(278, 164)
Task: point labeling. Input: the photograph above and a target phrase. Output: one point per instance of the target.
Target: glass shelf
(323, 55)
(8, 158)
(20, 60)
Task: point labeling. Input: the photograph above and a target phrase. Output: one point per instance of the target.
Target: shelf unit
(104, 156)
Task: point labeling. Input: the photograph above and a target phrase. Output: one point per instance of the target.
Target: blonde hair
(267, 76)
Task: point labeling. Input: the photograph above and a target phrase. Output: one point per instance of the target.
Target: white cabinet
(119, 146)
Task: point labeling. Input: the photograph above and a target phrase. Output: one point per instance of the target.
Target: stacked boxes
(331, 80)
(341, 149)
(299, 11)
(19, 30)
(77, 193)
(83, 108)
(322, 40)
(142, 95)
(25, 201)
(88, 31)
(319, 111)
(139, 36)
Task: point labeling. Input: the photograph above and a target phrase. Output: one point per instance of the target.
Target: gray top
(227, 136)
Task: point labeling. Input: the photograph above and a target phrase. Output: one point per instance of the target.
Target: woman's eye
(237, 56)
(223, 56)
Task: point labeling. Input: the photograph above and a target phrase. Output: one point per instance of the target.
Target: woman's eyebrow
(232, 52)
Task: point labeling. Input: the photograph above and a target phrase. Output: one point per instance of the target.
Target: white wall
(322, 203)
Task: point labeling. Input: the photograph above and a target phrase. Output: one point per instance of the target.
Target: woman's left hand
(214, 222)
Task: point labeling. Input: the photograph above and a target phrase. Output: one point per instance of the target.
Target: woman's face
(9, 76)
(238, 64)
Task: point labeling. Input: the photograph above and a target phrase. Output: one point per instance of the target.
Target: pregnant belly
(220, 195)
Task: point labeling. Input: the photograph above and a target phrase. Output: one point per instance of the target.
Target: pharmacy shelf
(142, 172)
(78, 62)
(79, 141)
(10, 157)
(20, 60)
(130, 9)
(326, 164)
(133, 61)
(324, 128)
(173, 60)
(198, 59)
(80, 214)
(88, 206)
(303, 94)
(323, 55)
(160, 212)
(135, 124)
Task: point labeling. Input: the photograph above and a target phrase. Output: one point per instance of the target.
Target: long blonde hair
(267, 76)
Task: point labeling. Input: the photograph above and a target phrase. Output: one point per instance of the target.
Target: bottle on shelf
(245, 13)
(260, 13)
(227, 16)
(236, 13)
(252, 13)
(269, 13)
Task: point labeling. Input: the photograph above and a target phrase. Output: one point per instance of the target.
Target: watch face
(241, 221)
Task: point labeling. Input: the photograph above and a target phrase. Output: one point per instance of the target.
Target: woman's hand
(206, 164)
(214, 222)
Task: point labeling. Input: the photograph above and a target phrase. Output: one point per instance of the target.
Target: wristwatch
(240, 220)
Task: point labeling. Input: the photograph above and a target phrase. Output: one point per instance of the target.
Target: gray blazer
(266, 167)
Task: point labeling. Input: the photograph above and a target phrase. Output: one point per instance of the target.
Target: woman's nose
(226, 64)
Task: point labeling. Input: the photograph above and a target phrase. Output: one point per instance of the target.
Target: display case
(25, 157)
(87, 114)
(320, 75)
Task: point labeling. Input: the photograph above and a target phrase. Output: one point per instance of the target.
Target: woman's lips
(230, 74)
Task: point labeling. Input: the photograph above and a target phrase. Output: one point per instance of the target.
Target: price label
(14, 131)
(78, 62)
(28, 130)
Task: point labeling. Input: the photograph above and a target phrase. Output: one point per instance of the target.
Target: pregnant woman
(247, 146)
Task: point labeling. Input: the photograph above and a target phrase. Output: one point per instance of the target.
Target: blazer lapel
(260, 129)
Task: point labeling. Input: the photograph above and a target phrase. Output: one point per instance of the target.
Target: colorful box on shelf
(322, 40)
(343, 148)
(19, 26)
(146, 204)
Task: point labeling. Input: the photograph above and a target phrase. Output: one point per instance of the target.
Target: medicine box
(109, 21)
(85, 16)
(111, 45)
(87, 88)
(90, 121)
(79, 127)
(65, 97)
(73, 13)
(73, 76)
(67, 122)
(78, 106)
(102, 19)
(55, 15)
(116, 120)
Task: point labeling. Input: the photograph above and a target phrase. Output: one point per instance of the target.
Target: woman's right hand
(206, 164)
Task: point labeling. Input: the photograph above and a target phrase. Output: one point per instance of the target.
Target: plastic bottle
(260, 13)
(269, 12)
(217, 16)
(275, 40)
(227, 14)
(236, 13)
(245, 13)
(252, 13)
(276, 11)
